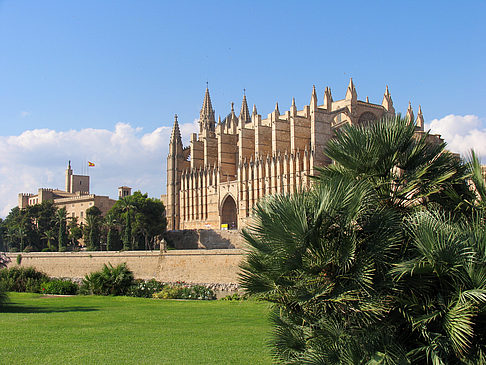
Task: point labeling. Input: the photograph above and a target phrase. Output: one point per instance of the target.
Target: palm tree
(49, 235)
(61, 221)
(127, 208)
(92, 232)
(318, 256)
(112, 238)
(442, 288)
(404, 167)
(362, 268)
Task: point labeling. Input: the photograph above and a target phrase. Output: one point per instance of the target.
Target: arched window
(366, 118)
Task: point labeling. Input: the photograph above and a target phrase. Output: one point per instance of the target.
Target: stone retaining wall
(204, 238)
(192, 266)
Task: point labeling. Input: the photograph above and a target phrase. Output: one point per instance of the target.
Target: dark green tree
(113, 241)
(75, 232)
(92, 229)
(141, 218)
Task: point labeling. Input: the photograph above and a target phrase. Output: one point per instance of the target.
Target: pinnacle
(254, 110)
(207, 112)
(244, 113)
(176, 132)
(351, 85)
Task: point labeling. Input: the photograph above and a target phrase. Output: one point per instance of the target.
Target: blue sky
(115, 72)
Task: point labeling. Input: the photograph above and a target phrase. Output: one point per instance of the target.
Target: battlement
(75, 197)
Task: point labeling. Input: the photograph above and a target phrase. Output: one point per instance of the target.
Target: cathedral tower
(174, 169)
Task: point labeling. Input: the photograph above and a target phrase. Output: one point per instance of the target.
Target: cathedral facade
(230, 164)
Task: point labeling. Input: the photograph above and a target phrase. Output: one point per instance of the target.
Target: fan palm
(404, 167)
(321, 257)
(442, 288)
(378, 263)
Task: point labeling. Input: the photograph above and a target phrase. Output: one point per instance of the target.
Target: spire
(420, 119)
(410, 116)
(313, 102)
(206, 116)
(175, 138)
(277, 112)
(254, 110)
(244, 113)
(387, 102)
(69, 165)
(328, 99)
(351, 91)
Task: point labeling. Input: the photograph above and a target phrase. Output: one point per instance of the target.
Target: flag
(90, 164)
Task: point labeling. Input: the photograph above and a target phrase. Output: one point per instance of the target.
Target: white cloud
(123, 156)
(24, 114)
(462, 133)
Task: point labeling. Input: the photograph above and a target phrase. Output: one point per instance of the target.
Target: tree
(75, 232)
(4, 260)
(62, 235)
(49, 235)
(92, 228)
(374, 264)
(126, 206)
(113, 241)
(142, 219)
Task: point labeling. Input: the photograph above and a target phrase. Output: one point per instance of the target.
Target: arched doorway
(229, 215)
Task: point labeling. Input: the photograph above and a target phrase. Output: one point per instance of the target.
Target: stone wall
(191, 266)
(204, 238)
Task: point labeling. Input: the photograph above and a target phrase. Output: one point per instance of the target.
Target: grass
(36, 329)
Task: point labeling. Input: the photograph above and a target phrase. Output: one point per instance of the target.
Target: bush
(22, 279)
(182, 291)
(109, 281)
(4, 260)
(145, 289)
(57, 286)
(235, 297)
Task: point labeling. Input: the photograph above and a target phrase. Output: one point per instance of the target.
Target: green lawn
(102, 330)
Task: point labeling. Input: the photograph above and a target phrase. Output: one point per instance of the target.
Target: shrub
(4, 260)
(57, 286)
(179, 291)
(109, 281)
(235, 297)
(145, 289)
(22, 279)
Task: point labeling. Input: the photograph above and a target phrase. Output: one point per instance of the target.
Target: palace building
(216, 180)
(76, 197)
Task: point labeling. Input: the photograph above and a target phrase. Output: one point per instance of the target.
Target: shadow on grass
(15, 308)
